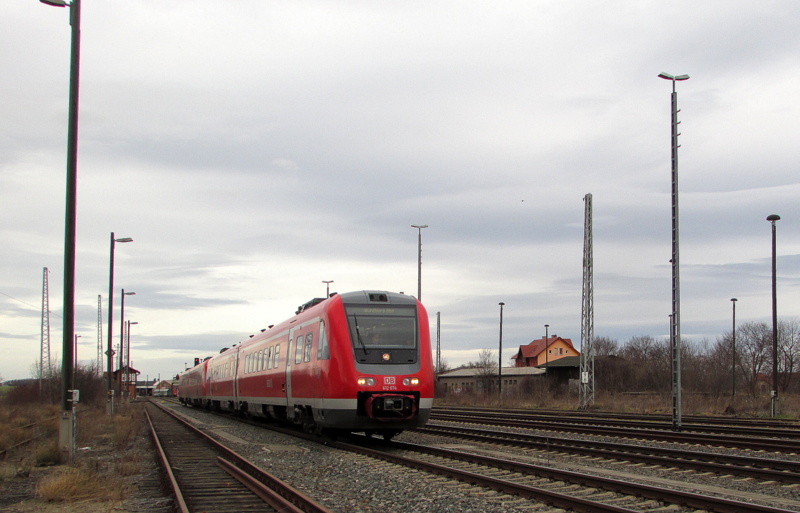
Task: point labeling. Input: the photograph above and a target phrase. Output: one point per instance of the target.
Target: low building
(164, 388)
(478, 380)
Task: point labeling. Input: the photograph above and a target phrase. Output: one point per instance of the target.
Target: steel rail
(760, 468)
(741, 442)
(292, 498)
(686, 499)
(180, 501)
(768, 427)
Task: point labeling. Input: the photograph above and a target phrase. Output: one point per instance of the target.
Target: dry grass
(640, 403)
(77, 484)
(126, 428)
(107, 458)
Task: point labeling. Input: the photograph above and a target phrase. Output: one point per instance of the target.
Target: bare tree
(487, 368)
(651, 363)
(753, 350)
(605, 346)
(788, 351)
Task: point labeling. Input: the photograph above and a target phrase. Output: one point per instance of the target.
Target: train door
(288, 377)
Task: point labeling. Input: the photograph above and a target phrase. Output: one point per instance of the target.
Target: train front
(393, 370)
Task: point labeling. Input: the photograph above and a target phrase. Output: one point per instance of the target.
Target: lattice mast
(99, 366)
(587, 311)
(44, 355)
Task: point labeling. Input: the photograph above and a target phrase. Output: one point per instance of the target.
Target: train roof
(359, 297)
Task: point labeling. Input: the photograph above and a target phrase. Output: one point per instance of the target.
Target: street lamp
(772, 218)
(675, 331)
(122, 336)
(66, 435)
(110, 351)
(733, 343)
(128, 358)
(419, 228)
(327, 287)
(500, 357)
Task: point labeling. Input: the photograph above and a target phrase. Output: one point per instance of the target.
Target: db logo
(388, 380)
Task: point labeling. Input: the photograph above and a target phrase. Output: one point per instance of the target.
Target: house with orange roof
(544, 351)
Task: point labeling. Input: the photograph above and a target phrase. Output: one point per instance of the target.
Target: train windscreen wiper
(358, 335)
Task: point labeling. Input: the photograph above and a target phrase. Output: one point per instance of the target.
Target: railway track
(783, 441)
(522, 481)
(208, 477)
(764, 469)
(627, 418)
(574, 491)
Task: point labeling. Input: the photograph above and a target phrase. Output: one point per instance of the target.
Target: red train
(359, 361)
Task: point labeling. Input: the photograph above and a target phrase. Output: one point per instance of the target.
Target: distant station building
(474, 379)
(543, 351)
(554, 358)
(555, 354)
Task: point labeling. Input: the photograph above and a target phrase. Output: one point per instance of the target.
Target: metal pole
(500, 354)
(419, 228)
(438, 342)
(733, 343)
(772, 218)
(546, 352)
(121, 343)
(66, 437)
(675, 332)
(676, 283)
(128, 361)
(110, 351)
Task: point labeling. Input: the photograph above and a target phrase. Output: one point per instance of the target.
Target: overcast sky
(253, 149)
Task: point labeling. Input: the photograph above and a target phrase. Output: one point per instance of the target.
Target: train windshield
(390, 327)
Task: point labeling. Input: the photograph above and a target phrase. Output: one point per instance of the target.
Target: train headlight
(366, 382)
(411, 381)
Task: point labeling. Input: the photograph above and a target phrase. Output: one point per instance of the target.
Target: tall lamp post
(733, 343)
(66, 436)
(327, 287)
(772, 218)
(110, 351)
(122, 338)
(419, 228)
(128, 358)
(500, 354)
(676, 290)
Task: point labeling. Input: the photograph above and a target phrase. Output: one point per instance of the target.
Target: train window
(323, 352)
(298, 349)
(247, 364)
(268, 353)
(277, 356)
(307, 348)
(389, 327)
(261, 360)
